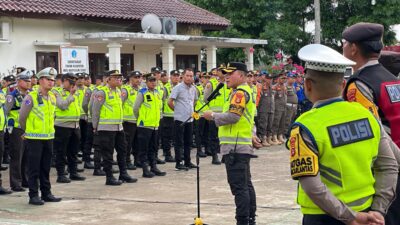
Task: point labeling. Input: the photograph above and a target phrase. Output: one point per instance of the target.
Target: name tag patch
(393, 92)
(350, 132)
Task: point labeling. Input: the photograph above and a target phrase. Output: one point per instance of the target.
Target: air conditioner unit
(169, 25)
(4, 31)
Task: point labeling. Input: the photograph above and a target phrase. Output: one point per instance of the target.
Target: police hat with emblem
(100, 76)
(369, 34)
(24, 75)
(134, 74)
(113, 73)
(233, 66)
(59, 76)
(69, 76)
(174, 72)
(86, 76)
(149, 77)
(163, 73)
(155, 70)
(20, 69)
(48, 72)
(9, 78)
(322, 58)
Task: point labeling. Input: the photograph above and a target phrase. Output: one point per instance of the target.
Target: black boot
(76, 176)
(208, 152)
(63, 179)
(98, 172)
(130, 166)
(88, 165)
(36, 201)
(160, 161)
(169, 158)
(215, 160)
(111, 180)
(252, 221)
(157, 172)
(51, 198)
(124, 177)
(146, 172)
(4, 191)
(114, 170)
(201, 154)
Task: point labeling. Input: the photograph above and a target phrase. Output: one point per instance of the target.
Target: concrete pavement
(169, 200)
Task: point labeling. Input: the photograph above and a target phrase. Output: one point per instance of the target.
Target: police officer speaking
(333, 147)
(236, 136)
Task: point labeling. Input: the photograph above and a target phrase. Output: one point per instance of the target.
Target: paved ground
(169, 200)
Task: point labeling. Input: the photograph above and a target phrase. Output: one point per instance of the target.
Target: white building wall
(24, 32)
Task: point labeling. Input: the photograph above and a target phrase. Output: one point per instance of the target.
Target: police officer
(34, 81)
(373, 86)
(107, 117)
(36, 118)
(147, 110)
(201, 125)
(291, 104)
(67, 132)
(3, 191)
(280, 109)
(333, 147)
(167, 122)
(12, 107)
(216, 105)
(80, 92)
(266, 109)
(129, 93)
(101, 80)
(236, 137)
(10, 86)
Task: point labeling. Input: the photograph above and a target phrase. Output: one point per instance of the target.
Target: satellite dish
(151, 24)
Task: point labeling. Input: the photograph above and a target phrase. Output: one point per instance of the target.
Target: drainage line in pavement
(169, 202)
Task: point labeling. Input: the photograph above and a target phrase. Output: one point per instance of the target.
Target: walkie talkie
(40, 99)
(232, 152)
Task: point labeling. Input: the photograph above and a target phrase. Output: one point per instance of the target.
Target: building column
(167, 51)
(211, 57)
(250, 58)
(114, 56)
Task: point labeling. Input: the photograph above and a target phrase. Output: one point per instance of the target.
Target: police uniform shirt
(98, 101)
(10, 102)
(311, 183)
(86, 99)
(237, 106)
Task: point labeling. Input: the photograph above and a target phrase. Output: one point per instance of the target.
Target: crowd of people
(51, 119)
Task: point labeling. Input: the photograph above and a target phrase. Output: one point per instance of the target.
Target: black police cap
(361, 32)
(233, 66)
(149, 77)
(155, 70)
(69, 76)
(134, 74)
(174, 72)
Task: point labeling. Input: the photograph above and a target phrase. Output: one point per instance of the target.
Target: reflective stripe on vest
(150, 109)
(129, 103)
(352, 182)
(217, 104)
(40, 121)
(167, 111)
(72, 113)
(240, 133)
(111, 112)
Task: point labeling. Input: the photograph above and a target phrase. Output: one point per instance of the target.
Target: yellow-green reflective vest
(241, 132)
(200, 101)
(129, 103)
(160, 89)
(150, 109)
(217, 104)
(346, 168)
(35, 87)
(72, 113)
(254, 96)
(167, 111)
(111, 112)
(2, 113)
(40, 121)
(81, 95)
(14, 112)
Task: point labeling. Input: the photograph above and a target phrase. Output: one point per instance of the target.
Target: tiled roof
(117, 9)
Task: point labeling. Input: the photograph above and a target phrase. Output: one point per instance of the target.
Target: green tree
(283, 23)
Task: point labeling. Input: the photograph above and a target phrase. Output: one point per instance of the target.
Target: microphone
(215, 93)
